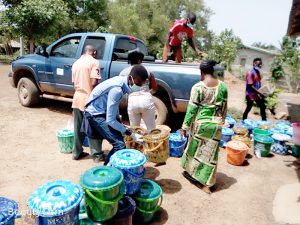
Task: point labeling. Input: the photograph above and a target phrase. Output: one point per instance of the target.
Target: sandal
(81, 156)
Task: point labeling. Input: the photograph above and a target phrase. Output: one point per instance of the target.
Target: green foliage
(151, 19)
(264, 46)
(277, 68)
(272, 101)
(34, 19)
(288, 63)
(224, 48)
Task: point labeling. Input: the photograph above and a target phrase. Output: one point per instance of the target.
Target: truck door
(58, 68)
(99, 44)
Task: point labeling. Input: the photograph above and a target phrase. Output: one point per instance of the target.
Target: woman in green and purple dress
(204, 119)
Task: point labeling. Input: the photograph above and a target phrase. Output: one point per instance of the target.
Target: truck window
(98, 43)
(124, 45)
(67, 48)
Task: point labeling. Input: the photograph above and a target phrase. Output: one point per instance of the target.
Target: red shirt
(179, 32)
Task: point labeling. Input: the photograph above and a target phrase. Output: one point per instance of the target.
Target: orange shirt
(85, 68)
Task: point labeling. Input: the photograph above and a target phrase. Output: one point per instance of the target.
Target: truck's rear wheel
(161, 111)
(28, 93)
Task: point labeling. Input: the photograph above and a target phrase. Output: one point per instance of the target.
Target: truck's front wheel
(28, 92)
(161, 111)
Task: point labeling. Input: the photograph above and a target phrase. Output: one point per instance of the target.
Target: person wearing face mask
(180, 30)
(140, 101)
(253, 84)
(102, 108)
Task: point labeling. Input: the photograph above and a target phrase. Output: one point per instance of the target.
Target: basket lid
(240, 138)
(227, 131)
(8, 209)
(156, 135)
(128, 158)
(65, 133)
(149, 190)
(176, 137)
(101, 178)
(230, 120)
(263, 138)
(250, 123)
(237, 145)
(55, 198)
(281, 137)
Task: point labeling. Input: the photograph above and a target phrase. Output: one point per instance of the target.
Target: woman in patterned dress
(204, 118)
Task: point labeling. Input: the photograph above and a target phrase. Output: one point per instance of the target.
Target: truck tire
(161, 111)
(28, 93)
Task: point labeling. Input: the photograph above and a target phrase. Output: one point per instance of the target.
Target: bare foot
(206, 189)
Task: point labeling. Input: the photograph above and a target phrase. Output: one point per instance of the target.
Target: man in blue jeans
(102, 108)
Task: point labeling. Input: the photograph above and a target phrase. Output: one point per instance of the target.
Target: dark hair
(134, 56)
(140, 71)
(257, 59)
(207, 66)
(191, 16)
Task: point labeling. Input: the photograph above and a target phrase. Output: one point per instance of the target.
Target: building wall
(247, 56)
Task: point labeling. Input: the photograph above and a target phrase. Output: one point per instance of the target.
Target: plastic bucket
(103, 187)
(226, 135)
(279, 145)
(43, 203)
(156, 146)
(125, 212)
(240, 130)
(148, 201)
(8, 211)
(176, 144)
(296, 133)
(261, 132)
(296, 151)
(131, 163)
(230, 121)
(236, 152)
(262, 145)
(65, 140)
(243, 139)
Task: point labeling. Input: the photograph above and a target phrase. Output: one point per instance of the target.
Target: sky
(263, 21)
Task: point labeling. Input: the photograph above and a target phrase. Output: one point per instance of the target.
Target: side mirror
(41, 50)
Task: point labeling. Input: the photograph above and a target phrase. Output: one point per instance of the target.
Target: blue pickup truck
(47, 73)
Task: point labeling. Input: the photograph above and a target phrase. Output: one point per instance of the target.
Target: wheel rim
(23, 92)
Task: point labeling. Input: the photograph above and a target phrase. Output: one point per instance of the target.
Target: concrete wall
(249, 55)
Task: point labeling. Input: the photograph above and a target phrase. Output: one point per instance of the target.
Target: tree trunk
(288, 82)
(31, 46)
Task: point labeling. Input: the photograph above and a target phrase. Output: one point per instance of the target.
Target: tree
(287, 65)
(224, 48)
(264, 46)
(36, 18)
(151, 19)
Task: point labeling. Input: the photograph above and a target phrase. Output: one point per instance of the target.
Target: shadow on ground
(223, 182)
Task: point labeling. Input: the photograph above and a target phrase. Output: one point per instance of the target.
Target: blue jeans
(114, 137)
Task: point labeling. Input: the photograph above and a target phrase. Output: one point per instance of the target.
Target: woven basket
(156, 145)
(130, 144)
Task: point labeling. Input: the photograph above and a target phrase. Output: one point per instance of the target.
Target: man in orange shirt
(85, 76)
(180, 30)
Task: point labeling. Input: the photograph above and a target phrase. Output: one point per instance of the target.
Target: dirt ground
(262, 192)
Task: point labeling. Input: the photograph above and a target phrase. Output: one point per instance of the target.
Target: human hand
(137, 138)
(183, 134)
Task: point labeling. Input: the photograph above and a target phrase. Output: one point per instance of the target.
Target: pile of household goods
(116, 194)
(263, 136)
(158, 144)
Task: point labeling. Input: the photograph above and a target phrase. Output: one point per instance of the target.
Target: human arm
(95, 75)
(152, 84)
(113, 99)
(192, 44)
(168, 39)
(250, 78)
(193, 107)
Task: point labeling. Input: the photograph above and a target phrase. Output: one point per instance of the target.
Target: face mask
(189, 25)
(134, 87)
(257, 68)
